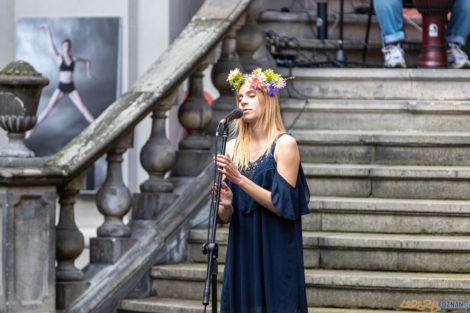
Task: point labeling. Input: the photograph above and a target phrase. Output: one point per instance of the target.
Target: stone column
(194, 115)
(69, 246)
(251, 46)
(157, 158)
(27, 217)
(228, 60)
(113, 201)
(28, 249)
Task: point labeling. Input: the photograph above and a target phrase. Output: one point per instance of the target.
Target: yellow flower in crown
(267, 80)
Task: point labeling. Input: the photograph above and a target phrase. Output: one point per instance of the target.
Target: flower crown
(267, 81)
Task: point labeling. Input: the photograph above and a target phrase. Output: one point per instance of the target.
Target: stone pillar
(195, 114)
(251, 46)
(157, 158)
(69, 246)
(228, 60)
(113, 201)
(27, 217)
(27, 259)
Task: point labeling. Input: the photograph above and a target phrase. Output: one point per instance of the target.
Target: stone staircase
(387, 155)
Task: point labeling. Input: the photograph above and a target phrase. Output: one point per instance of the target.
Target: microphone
(235, 114)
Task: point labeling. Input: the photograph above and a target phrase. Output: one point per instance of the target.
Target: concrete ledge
(170, 305)
(384, 147)
(384, 171)
(339, 288)
(424, 84)
(378, 115)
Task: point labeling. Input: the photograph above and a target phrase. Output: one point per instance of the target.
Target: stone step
(297, 24)
(162, 305)
(383, 147)
(387, 115)
(405, 84)
(170, 305)
(198, 236)
(387, 181)
(332, 288)
(365, 251)
(388, 215)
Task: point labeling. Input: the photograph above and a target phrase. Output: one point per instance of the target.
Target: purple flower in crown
(279, 83)
(272, 89)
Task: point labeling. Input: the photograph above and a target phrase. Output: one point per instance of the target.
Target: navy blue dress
(264, 268)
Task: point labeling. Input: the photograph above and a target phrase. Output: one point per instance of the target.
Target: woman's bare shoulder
(286, 147)
(286, 141)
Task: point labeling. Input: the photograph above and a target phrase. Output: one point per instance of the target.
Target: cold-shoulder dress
(264, 267)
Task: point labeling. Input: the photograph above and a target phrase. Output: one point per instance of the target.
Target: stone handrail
(200, 36)
(166, 207)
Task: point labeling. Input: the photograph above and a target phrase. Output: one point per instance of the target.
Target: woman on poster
(66, 64)
(263, 195)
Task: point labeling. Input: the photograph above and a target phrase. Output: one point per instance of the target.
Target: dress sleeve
(288, 201)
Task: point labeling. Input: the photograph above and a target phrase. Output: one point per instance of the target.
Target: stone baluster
(228, 60)
(69, 245)
(113, 201)
(157, 158)
(251, 46)
(195, 115)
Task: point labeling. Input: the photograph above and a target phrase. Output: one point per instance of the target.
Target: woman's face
(66, 46)
(249, 102)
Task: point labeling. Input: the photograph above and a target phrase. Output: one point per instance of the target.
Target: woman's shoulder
(286, 141)
(286, 148)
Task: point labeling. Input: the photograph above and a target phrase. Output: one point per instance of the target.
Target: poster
(81, 57)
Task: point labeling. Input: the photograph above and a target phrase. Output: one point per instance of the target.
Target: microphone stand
(211, 248)
(340, 56)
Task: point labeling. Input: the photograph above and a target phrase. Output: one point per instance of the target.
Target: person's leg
(456, 34)
(77, 100)
(389, 15)
(55, 98)
(459, 25)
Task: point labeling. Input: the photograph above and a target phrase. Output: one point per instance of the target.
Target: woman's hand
(229, 169)
(226, 195)
(45, 26)
(225, 209)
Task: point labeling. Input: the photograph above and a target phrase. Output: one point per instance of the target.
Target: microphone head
(237, 113)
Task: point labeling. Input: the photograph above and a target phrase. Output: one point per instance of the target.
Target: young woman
(263, 195)
(66, 64)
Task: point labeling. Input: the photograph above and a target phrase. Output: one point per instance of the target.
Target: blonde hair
(270, 118)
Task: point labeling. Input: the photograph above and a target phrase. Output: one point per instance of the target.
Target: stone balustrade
(32, 245)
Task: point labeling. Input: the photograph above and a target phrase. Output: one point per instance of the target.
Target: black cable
(303, 97)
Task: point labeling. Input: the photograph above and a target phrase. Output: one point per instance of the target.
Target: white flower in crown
(233, 75)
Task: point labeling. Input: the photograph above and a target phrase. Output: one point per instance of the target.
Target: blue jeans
(389, 15)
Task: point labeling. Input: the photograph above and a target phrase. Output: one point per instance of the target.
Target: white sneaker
(394, 56)
(456, 57)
